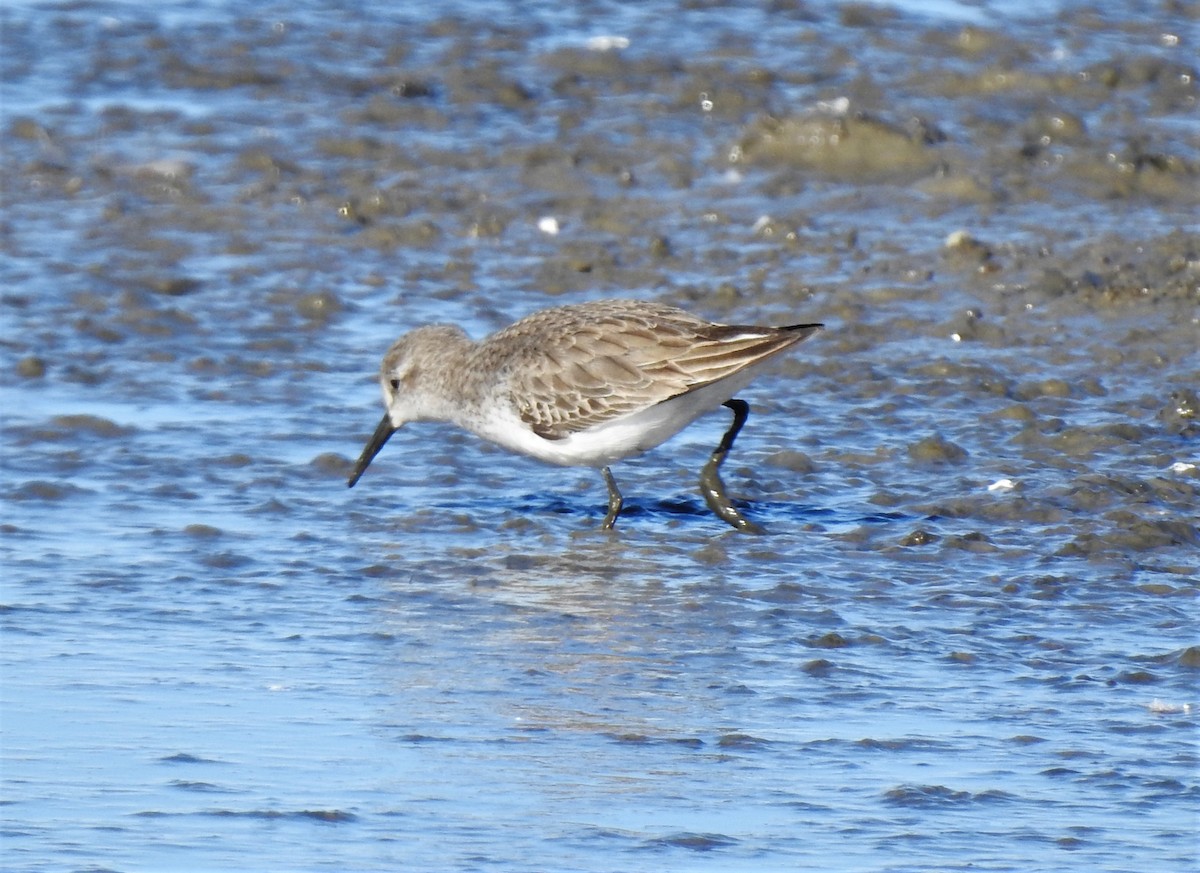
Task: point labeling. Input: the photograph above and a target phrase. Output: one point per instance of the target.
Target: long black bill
(385, 430)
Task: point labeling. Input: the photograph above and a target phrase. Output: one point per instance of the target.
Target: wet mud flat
(981, 482)
(996, 220)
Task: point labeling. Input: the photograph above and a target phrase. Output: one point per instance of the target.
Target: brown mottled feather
(606, 360)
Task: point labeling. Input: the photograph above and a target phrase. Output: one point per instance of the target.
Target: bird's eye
(395, 383)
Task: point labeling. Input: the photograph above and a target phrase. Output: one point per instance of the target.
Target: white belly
(611, 442)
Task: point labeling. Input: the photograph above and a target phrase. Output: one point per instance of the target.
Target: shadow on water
(783, 514)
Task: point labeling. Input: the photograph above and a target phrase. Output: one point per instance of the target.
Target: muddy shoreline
(235, 205)
(969, 636)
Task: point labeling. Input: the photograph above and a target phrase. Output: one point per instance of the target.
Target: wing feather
(571, 368)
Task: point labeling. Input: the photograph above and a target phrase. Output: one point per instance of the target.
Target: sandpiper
(583, 385)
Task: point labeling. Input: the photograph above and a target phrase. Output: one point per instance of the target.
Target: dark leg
(614, 500)
(711, 485)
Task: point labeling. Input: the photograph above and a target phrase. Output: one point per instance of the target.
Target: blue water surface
(216, 657)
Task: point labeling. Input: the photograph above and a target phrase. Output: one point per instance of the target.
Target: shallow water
(969, 638)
